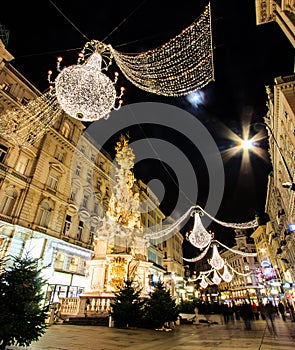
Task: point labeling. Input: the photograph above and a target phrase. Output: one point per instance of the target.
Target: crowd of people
(251, 311)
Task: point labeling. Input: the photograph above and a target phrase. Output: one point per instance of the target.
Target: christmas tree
(22, 313)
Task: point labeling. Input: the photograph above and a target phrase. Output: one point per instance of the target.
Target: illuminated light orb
(84, 92)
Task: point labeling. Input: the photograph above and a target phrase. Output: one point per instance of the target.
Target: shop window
(74, 264)
(59, 261)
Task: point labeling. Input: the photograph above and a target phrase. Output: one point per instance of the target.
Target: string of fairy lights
(25, 125)
(179, 67)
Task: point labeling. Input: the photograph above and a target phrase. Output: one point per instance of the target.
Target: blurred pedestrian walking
(270, 314)
(281, 308)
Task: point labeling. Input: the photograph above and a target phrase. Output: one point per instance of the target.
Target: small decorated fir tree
(160, 308)
(22, 314)
(127, 307)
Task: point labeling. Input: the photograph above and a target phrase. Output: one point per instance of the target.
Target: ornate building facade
(55, 190)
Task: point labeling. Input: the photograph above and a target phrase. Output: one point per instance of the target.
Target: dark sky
(246, 58)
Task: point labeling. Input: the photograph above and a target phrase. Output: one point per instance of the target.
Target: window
(65, 130)
(6, 87)
(59, 155)
(8, 202)
(59, 261)
(44, 214)
(91, 235)
(74, 194)
(85, 200)
(89, 176)
(93, 157)
(74, 264)
(80, 231)
(52, 181)
(24, 101)
(22, 164)
(67, 225)
(78, 170)
(3, 153)
(95, 209)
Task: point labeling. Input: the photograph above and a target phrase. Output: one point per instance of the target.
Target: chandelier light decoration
(199, 236)
(203, 282)
(84, 91)
(216, 261)
(216, 279)
(25, 125)
(226, 276)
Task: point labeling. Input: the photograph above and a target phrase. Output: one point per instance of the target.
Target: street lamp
(288, 184)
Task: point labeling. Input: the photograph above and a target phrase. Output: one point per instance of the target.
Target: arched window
(44, 214)
(8, 202)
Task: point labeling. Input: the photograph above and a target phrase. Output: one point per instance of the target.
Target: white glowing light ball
(84, 92)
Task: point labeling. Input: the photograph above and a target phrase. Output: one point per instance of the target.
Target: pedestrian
(246, 314)
(281, 308)
(255, 311)
(270, 312)
(225, 312)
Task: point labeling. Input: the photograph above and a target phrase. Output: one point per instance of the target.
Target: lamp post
(289, 184)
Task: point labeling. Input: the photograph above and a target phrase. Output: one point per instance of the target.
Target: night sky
(246, 59)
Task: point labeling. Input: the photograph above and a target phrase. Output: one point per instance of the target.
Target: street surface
(232, 336)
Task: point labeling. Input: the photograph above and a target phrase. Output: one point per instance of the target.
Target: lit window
(65, 130)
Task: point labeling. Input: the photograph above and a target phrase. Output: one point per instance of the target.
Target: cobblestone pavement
(232, 336)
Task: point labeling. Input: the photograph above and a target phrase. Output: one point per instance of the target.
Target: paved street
(184, 337)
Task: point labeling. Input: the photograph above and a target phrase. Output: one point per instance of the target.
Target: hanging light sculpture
(203, 282)
(199, 237)
(84, 91)
(216, 261)
(216, 279)
(226, 276)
